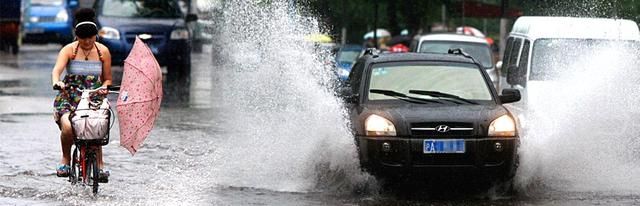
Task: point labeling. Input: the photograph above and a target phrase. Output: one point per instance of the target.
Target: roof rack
(372, 51)
(459, 51)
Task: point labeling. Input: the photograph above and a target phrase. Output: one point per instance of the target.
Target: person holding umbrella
(88, 66)
(381, 35)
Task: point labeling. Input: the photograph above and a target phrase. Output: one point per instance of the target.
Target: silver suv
(477, 47)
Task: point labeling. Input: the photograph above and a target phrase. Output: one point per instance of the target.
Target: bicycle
(95, 120)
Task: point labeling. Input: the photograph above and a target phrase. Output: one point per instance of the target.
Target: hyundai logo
(443, 128)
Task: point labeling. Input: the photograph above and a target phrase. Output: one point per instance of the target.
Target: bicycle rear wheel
(93, 174)
(74, 171)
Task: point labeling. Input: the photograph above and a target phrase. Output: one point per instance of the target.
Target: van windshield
(141, 8)
(554, 58)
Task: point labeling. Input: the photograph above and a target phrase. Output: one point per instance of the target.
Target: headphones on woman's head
(86, 31)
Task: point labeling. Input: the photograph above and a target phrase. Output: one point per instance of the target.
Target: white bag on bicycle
(91, 123)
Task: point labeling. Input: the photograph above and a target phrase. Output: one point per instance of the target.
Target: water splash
(578, 8)
(287, 130)
(582, 133)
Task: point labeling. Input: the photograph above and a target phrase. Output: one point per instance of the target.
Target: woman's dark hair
(84, 30)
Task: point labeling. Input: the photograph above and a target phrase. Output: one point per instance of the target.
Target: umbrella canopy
(398, 48)
(319, 38)
(380, 33)
(140, 96)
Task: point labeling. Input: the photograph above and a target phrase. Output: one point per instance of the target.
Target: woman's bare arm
(106, 66)
(61, 62)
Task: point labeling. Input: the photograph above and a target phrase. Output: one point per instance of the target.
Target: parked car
(159, 23)
(423, 114)
(533, 48)
(49, 21)
(477, 47)
(346, 56)
(10, 26)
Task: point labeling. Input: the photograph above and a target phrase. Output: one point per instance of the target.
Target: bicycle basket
(91, 125)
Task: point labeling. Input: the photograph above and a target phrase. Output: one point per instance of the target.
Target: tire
(197, 47)
(3, 45)
(15, 48)
(180, 71)
(94, 175)
(74, 172)
(505, 186)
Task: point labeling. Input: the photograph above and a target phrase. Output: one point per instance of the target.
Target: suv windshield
(481, 52)
(46, 2)
(425, 81)
(141, 8)
(553, 58)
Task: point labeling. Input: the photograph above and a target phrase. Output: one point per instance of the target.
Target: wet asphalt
(174, 165)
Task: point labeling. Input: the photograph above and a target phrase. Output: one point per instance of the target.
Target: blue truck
(49, 21)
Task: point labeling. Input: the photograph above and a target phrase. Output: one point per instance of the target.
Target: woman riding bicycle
(88, 69)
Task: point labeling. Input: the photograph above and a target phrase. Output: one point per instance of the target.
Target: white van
(538, 45)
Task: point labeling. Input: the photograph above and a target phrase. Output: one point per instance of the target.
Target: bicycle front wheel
(74, 172)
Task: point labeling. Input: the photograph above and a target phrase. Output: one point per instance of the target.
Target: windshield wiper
(438, 94)
(402, 96)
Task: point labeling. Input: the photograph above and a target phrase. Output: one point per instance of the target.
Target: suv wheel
(15, 48)
(179, 71)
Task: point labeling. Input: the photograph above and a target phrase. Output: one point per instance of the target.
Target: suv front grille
(442, 129)
(47, 19)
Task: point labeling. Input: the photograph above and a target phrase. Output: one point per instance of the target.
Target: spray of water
(286, 129)
(580, 8)
(582, 131)
(287, 132)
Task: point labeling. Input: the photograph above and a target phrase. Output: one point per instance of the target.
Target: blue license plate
(440, 146)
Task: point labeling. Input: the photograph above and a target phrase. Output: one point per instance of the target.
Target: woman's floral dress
(81, 75)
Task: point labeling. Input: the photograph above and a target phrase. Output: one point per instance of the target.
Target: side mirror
(191, 17)
(346, 93)
(499, 65)
(509, 96)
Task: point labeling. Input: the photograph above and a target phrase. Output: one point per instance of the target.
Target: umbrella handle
(113, 87)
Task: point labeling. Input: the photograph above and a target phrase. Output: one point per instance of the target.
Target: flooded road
(193, 157)
(261, 128)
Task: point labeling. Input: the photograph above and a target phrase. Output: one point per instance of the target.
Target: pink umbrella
(140, 96)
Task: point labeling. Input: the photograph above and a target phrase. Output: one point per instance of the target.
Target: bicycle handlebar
(56, 87)
(111, 88)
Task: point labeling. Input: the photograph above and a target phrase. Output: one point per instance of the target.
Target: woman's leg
(66, 138)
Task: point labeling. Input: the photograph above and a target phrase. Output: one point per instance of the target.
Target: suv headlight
(179, 34)
(503, 126)
(62, 16)
(376, 125)
(109, 33)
